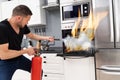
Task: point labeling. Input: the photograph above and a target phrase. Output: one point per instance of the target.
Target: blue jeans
(8, 67)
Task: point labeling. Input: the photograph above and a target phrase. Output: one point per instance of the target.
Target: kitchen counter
(83, 53)
(59, 52)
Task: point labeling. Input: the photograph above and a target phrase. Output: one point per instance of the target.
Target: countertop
(59, 52)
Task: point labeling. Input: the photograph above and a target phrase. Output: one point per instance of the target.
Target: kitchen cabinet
(7, 7)
(53, 67)
(72, 68)
(38, 17)
(52, 1)
(0, 13)
(51, 7)
(77, 68)
(69, 1)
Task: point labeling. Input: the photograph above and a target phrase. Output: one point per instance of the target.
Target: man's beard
(19, 25)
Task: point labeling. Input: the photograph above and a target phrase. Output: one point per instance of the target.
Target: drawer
(53, 68)
(48, 76)
(52, 63)
(52, 58)
(55, 60)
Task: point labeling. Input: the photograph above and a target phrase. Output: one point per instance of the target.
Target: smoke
(77, 44)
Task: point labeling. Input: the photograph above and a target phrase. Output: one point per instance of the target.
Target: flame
(75, 27)
(82, 40)
(88, 27)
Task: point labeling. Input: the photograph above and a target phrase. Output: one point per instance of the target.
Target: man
(11, 34)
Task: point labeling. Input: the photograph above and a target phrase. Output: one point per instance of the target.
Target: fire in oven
(78, 36)
(78, 41)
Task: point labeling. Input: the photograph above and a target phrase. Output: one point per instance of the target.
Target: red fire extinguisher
(36, 72)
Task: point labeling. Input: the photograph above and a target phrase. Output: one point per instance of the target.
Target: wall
(3, 0)
(53, 26)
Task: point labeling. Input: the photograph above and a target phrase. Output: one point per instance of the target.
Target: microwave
(70, 12)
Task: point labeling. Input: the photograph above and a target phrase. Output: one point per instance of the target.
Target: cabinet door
(7, 7)
(79, 69)
(38, 17)
(52, 63)
(52, 58)
(0, 13)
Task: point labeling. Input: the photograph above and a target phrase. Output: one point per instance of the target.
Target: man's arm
(38, 37)
(5, 53)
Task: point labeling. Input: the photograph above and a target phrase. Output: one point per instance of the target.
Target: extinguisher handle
(37, 52)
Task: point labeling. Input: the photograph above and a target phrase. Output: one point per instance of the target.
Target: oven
(69, 10)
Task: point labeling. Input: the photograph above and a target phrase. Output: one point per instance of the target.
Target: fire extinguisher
(36, 71)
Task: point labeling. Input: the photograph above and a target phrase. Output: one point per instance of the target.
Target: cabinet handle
(111, 21)
(44, 56)
(45, 75)
(44, 62)
(117, 25)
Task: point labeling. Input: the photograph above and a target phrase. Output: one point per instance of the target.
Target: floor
(22, 75)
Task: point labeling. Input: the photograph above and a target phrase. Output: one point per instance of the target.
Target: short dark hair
(21, 10)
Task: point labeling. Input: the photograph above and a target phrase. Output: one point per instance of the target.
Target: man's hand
(31, 51)
(50, 38)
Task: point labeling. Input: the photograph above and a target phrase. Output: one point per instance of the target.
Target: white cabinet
(51, 2)
(0, 13)
(53, 67)
(79, 68)
(71, 1)
(72, 68)
(38, 17)
(7, 7)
